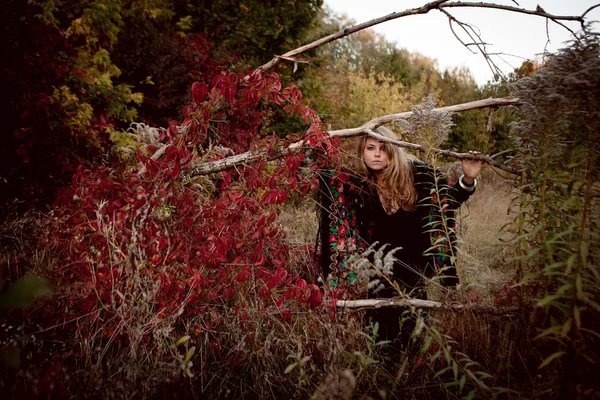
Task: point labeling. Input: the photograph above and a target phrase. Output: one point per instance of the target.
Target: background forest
(130, 268)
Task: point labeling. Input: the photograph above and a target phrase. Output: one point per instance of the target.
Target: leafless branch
(448, 153)
(590, 9)
(348, 31)
(434, 5)
(476, 39)
(417, 303)
(501, 153)
(547, 36)
(251, 156)
(538, 11)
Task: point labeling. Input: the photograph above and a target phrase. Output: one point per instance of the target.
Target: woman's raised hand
(471, 168)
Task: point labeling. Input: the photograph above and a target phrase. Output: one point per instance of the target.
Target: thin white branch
(417, 303)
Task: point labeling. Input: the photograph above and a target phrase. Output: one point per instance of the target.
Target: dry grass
(484, 255)
(328, 354)
(298, 219)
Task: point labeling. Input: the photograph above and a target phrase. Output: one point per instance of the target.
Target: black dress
(410, 231)
(352, 218)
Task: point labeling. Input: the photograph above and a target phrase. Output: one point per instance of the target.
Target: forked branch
(439, 5)
(366, 129)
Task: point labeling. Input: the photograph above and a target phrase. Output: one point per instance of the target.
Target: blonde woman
(404, 209)
(398, 201)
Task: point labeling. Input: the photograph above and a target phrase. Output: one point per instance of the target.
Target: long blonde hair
(397, 178)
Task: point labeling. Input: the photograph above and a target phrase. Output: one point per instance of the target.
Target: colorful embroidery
(344, 235)
(345, 238)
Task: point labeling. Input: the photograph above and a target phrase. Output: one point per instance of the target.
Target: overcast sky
(507, 32)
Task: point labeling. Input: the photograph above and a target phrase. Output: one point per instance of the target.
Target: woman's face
(375, 155)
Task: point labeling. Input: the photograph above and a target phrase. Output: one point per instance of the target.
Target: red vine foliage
(187, 245)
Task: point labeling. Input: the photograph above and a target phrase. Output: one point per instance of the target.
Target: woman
(394, 200)
(405, 210)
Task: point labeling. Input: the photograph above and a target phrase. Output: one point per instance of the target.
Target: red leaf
(279, 302)
(199, 92)
(228, 293)
(243, 275)
(316, 296)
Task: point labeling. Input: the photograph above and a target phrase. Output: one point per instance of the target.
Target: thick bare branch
(417, 303)
(250, 156)
(386, 119)
(590, 9)
(487, 159)
(540, 12)
(434, 5)
(348, 31)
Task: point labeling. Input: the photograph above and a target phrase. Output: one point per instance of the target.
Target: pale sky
(518, 34)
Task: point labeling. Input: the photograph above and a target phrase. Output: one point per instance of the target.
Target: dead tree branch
(210, 167)
(417, 303)
(434, 5)
(348, 31)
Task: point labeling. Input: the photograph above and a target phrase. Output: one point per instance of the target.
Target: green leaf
(578, 286)
(484, 375)
(566, 328)
(455, 369)
(583, 248)
(547, 300)
(594, 305)
(577, 317)
(189, 354)
(436, 355)
(564, 288)
(442, 372)
(370, 361)
(290, 368)
(305, 360)
(553, 330)
(570, 263)
(426, 345)
(181, 340)
(382, 342)
(551, 358)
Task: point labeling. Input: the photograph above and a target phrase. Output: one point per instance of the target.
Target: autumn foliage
(170, 281)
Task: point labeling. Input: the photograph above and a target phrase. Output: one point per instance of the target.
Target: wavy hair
(397, 178)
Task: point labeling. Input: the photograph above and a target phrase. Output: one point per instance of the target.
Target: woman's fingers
(471, 167)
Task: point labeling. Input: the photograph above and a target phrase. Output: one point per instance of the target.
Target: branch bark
(366, 129)
(434, 5)
(424, 304)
